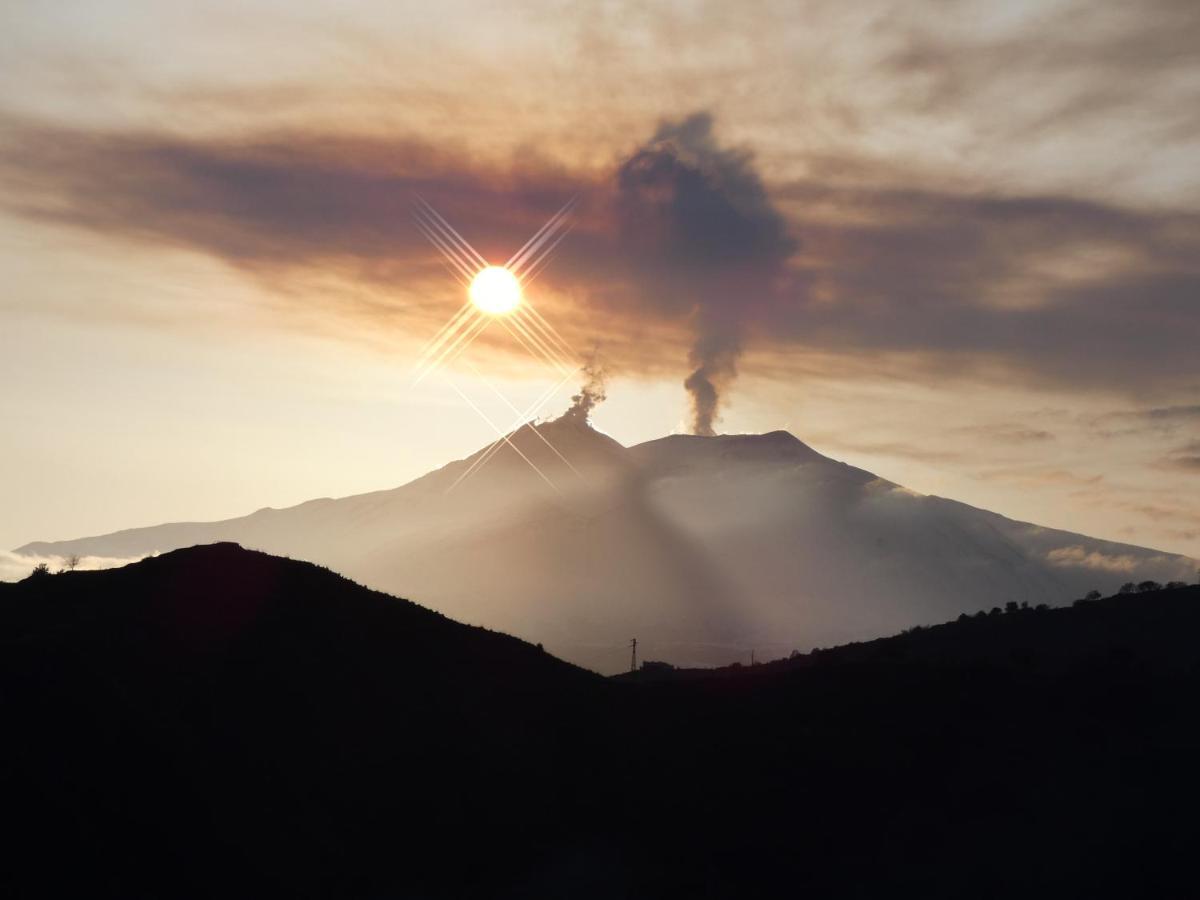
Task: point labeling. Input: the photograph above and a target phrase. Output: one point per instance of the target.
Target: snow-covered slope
(702, 548)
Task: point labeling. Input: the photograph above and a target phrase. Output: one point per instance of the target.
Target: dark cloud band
(681, 256)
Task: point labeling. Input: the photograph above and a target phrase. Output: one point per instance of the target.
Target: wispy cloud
(1185, 458)
(1035, 475)
(1079, 557)
(1006, 433)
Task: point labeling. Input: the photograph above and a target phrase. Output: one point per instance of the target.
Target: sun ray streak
(549, 331)
(461, 279)
(463, 242)
(552, 340)
(547, 347)
(461, 260)
(451, 332)
(448, 333)
(522, 263)
(450, 267)
(517, 424)
(548, 350)
(455, 254)
(522, 337)
(477, 326)
(431, 226)
(453, 354)
(549, 328)
(537, 234)
(554, 353)
(455, 266)
(541, 242)
(512, 406)
(438, 223)
(504, 436)
(451, 351)
(516, 257)
(453, 357)
(450, 326)
(538, 266)
(533, 349)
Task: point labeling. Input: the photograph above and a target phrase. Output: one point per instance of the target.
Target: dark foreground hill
(220, 723)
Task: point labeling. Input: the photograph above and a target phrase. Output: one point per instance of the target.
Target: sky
(956, 244)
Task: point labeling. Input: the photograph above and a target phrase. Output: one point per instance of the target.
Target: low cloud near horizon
(18, 566)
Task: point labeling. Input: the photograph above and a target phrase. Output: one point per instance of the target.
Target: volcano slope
(703, 548)
(218, 722)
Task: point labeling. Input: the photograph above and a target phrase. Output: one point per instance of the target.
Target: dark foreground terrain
(220, 723)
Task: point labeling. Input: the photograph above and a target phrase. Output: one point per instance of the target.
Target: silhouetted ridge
(207, 599)
(1156, 630)
(215, 722)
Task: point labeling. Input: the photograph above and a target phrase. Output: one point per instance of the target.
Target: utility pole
(633, 655)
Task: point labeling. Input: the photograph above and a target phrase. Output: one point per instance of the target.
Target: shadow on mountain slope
(216, 722)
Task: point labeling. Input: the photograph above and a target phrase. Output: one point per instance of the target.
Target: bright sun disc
(496, 290)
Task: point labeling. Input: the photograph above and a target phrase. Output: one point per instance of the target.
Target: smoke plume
(716, 364)
(591, 394)
(707, 241)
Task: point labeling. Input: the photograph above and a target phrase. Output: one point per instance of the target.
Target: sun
(495, 290)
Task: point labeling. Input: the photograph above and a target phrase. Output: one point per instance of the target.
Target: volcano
(703, 548)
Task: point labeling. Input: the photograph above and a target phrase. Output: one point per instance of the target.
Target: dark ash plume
(700, 227)
(590, 395)
(714, 366)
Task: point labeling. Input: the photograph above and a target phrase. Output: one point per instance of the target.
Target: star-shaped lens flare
(495, 290)
(496, 295)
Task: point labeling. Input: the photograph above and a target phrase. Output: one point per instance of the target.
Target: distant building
(656, 667)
